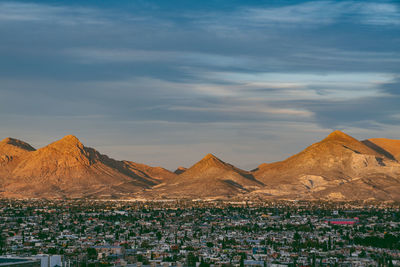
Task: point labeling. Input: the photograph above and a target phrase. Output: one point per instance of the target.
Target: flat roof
(5, 261)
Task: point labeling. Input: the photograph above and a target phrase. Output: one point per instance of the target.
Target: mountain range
(339, 168)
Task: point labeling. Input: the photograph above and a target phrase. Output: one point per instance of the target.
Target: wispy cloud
(31, 12)
(319, 13)
(316, 12)
(379, 13)
(95, 56)
(159, 75)
(260, 109)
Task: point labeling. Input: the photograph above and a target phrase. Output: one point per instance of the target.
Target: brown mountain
(66, 168)
(11, 150)
(389, 147)
(338, 167)
(180, 170)
(210, 177)
(159, 174)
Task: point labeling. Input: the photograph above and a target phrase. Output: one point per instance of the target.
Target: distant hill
(66, 168)
(11, 151)
(180, 170)
(210, 177)
(337, 168)
(389, 147)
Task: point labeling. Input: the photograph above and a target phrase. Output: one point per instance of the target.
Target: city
(202, 233)
(212, 133)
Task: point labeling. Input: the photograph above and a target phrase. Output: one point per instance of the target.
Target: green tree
(92, 253)
(191, 259)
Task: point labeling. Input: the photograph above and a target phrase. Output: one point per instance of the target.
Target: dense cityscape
(211, 133)
(200, 233)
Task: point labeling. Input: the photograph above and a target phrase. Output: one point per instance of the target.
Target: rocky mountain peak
(339, 136)
(66, 143)
(17, 143)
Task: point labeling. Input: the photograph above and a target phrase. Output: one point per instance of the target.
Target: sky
(166, 82)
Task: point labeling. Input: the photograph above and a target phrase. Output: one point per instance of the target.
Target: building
(19, 262)
(342, 221)
(49, 260)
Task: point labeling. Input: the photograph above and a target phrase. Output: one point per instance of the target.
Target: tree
(191, 259)
(3, 243)
(329, 243)
(296, 236)
(145, 244)
(159, 235)
(52, 251)
(204, 264)
(92, 253)
(242, 257)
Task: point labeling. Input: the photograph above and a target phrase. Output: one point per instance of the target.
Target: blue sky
(166, 82)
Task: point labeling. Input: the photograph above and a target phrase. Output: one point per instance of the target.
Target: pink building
(342, 221)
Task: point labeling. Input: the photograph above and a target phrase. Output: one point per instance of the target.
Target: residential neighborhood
(201, 233)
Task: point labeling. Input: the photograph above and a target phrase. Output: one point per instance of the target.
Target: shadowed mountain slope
(66, 168)
(210, 177)
(11, 150)
(389, 147)
(180, 170)
(338, 167)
